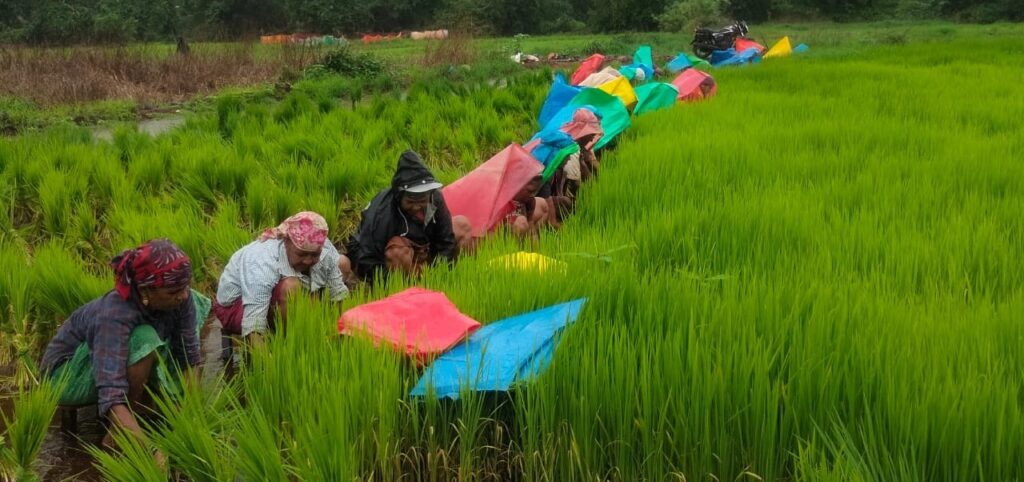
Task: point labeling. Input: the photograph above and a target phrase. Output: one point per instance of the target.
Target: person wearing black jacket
(405, 226)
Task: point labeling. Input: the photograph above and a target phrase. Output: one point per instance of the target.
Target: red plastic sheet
(744, 44)
(694, 85)
(484, 194)
(420, 322)
(589, 66)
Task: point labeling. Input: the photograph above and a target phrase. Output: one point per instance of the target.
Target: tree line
(112, 21)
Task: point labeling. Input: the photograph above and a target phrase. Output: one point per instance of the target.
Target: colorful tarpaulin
(781, 48)
(484, 194)
(742, 44)
(613, 113)
(558, 96)
(748, 56)
(419, 322)
(643, 56)
(622, 89)
(684, 61)
(597, 78)
(654, 96)
(551, 146)
(694, 85)
(528, 262)
(499, 355)
(590, 65)
(643, 61)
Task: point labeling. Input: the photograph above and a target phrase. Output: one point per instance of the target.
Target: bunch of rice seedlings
(24, 433)
(134, 460)
(62, 283)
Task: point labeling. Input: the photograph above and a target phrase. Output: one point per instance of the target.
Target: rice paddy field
(817, 275)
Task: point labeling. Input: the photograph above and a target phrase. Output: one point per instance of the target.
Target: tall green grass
(813, 276)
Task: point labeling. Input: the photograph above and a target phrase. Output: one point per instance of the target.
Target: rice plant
(24, 433)
(812, 277)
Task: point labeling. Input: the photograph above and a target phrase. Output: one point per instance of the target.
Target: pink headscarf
(583, 124)
(307, 230)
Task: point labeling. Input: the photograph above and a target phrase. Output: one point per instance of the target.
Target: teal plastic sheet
(499, 355)
(655, 96)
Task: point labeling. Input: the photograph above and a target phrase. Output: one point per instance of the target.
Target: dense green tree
(69, 21)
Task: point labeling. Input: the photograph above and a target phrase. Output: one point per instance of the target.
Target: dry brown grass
(459, 49)
(146, 74)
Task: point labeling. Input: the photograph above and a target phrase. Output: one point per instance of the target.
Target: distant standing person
(107, 349)
(405, 226)
(256, 283)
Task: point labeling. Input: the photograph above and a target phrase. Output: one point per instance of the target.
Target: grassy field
(813, 276)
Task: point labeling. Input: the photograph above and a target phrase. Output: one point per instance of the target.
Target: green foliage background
(71, 21)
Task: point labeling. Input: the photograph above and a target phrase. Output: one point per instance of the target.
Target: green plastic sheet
(654, 96)
(613, 113)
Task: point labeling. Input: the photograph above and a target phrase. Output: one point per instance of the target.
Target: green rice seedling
(61, 284)
(261, 455)
(134, 461)
(59, 192)
(24, 433)
(194, 432)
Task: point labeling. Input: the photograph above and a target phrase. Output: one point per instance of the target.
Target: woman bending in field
(107, 349)
(585, 129)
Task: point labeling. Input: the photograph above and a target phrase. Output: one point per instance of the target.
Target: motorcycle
(706, 41)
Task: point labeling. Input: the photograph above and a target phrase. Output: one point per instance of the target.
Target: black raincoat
(383, 219)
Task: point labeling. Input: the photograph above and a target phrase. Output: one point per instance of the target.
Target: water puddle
(154, 127)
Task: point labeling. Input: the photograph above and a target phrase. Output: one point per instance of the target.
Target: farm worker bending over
(405, 226)
(107, 349)
(259, 277)
(528, 212)
(585, 129)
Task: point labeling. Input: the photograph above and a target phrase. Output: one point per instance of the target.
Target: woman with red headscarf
(107, 349)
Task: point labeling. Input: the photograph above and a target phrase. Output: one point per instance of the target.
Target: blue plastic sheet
(748, 56)
(681, 62)
(721, 55)
(500, 354)
(558, 97)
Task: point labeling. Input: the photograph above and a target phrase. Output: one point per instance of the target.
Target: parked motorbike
(706, 40)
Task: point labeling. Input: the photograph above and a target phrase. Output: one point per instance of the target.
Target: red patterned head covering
(583, 124)
(307, 230)
(158, 263)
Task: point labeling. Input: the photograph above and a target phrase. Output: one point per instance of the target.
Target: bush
(353, 64)
(684, 15)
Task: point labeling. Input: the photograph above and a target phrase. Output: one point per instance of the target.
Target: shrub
(684, 15)
(353, 64)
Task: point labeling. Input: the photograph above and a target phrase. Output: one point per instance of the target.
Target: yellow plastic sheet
(781, 48)
(528, 262)
(622, 89)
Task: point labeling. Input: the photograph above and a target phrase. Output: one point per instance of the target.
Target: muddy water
(64, 456)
